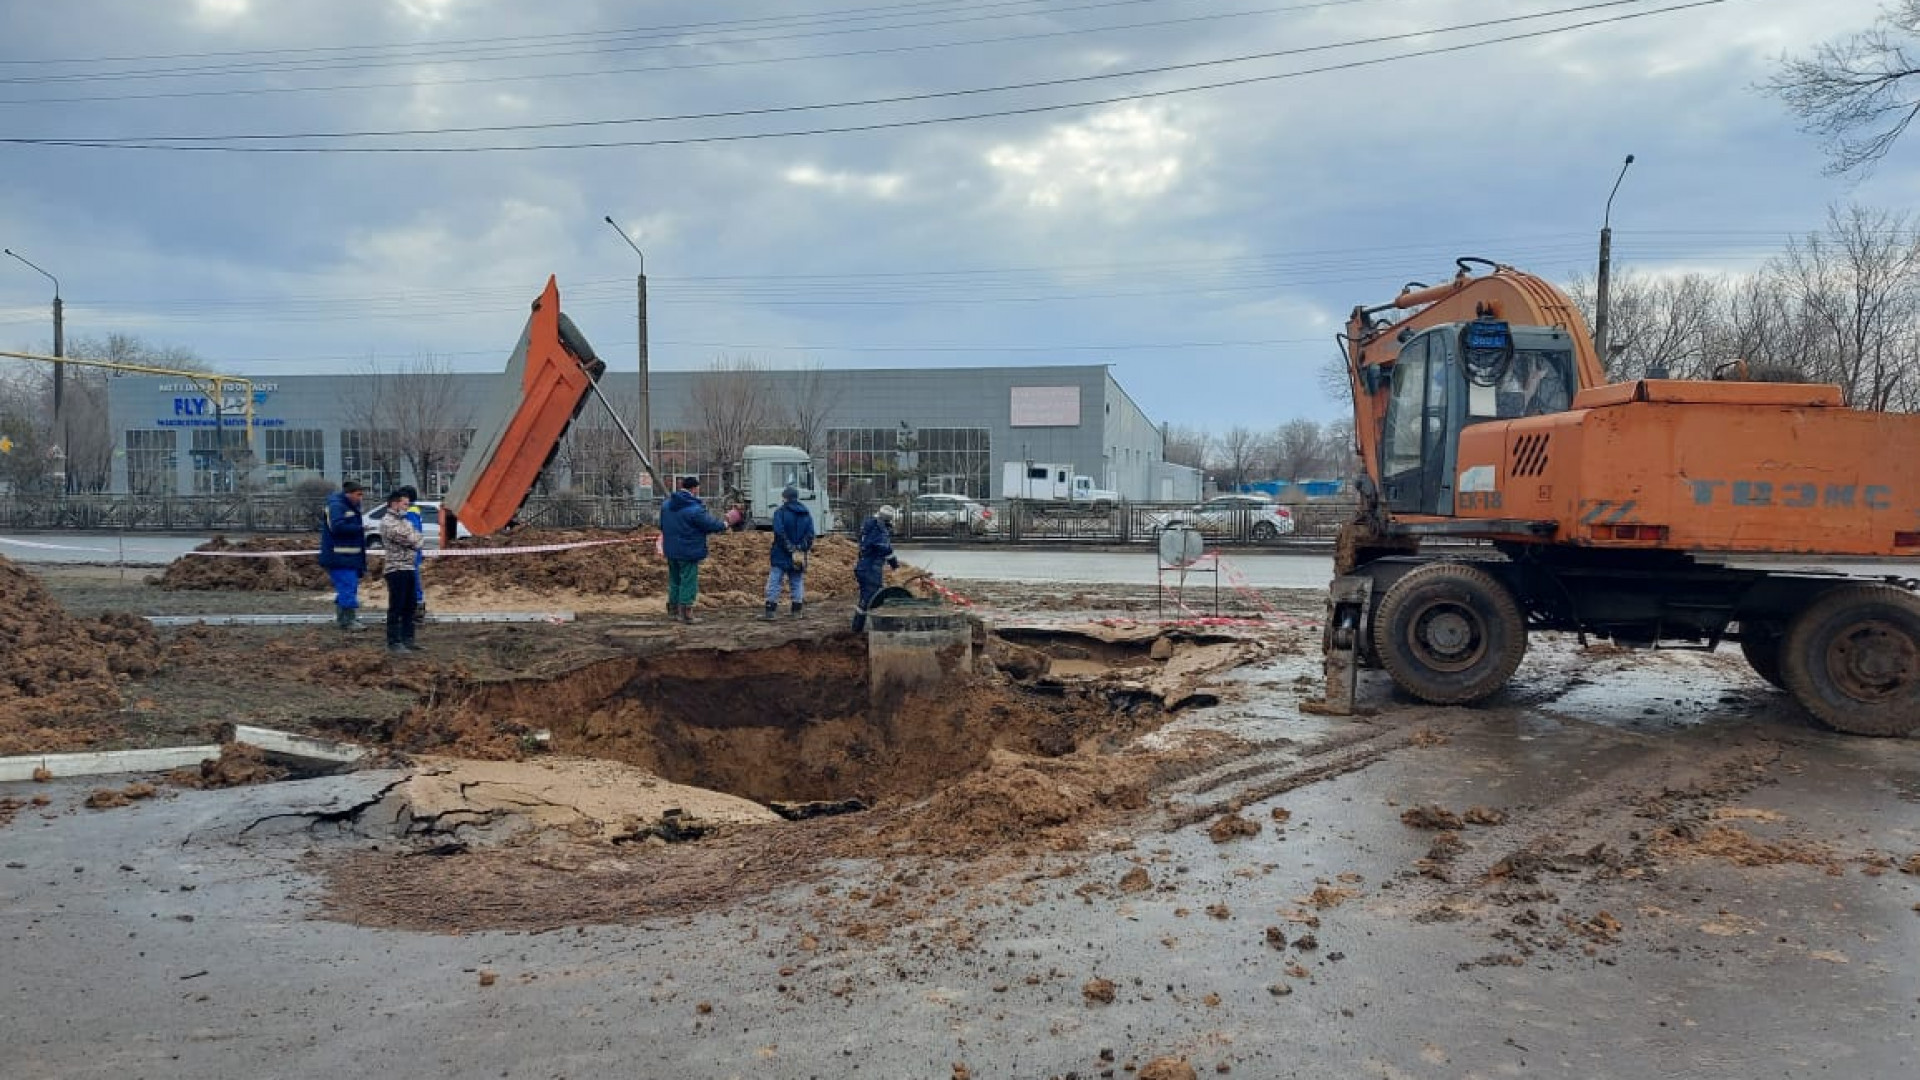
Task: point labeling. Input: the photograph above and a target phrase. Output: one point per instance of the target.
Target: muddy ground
(1113, 850)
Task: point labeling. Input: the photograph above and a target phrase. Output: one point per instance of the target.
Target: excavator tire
(1852, 659)
(1761, 643)
(1449, 633)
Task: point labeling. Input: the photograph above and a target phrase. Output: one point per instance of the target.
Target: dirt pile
(736, 566)
(59, 685)
(228, 574)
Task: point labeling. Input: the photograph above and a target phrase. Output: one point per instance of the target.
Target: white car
(1229, 517)
(429, 523)
(955, 515)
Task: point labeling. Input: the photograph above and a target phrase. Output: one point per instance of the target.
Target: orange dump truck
(547, 382)
(1655, 512)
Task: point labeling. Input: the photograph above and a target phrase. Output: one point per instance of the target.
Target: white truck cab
(766, 470)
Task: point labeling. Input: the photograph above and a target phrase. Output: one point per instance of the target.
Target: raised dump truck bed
(546, 384)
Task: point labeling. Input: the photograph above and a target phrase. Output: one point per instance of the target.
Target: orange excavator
(1653, 513)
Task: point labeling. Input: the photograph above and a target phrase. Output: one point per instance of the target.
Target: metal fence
(1019, 521)
(273, 512)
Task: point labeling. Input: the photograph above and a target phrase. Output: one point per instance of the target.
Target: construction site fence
(1002, 521)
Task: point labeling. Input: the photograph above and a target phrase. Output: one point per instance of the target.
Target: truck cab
(1452, 376)
(766, 470)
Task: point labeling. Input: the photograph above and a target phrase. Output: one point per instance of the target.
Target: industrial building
(900, 430)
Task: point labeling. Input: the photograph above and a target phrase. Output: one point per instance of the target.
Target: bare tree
(733, 405)
(599, 460)
(1858, 285)
(1240, 452)
(1858, 93)
(1187, 445)
(413, 414)
(1299, 450)
(806, 408)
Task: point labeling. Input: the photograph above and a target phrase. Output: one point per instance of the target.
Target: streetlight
(59, 349)
(646, 394)
(1606, 258)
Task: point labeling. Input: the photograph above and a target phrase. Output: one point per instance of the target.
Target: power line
(878, 125)
(755, 61)
(973, 15)
(898, 99)
(578, 34)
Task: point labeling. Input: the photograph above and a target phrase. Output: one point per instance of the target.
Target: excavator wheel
(1852, 659)
(1760, 643)
(1449, 633)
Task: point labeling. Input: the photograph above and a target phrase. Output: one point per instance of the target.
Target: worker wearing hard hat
(876, 552)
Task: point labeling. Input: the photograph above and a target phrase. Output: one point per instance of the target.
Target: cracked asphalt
(181, 936)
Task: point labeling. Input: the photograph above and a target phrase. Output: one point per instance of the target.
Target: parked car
(429, 523)
(1256, 517)
(954, 515)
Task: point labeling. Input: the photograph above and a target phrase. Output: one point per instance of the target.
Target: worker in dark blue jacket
(876, 551)
(343, 553)
(792, 539)
(684, 525)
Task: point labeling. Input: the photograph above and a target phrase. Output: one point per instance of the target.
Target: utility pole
(646, 390)
(1606, 259)
(59, 369)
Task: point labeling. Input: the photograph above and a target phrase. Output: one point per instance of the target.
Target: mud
(60, 685)
(199, 572)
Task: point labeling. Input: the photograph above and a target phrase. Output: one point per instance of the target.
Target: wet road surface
(168, 939)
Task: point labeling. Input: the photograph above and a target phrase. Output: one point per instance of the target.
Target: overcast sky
(1204, 242)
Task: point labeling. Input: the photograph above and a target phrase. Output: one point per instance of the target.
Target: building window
(957, 461)
(220, 459)
(370, 459)
(682, 455)
(444, 462)
(150, 461)
(293, 448)
(868, 457)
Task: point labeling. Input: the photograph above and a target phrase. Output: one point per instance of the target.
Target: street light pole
(59, 349)
(646, 390)
(1606, 259)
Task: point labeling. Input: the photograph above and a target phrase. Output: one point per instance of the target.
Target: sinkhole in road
(794, 722)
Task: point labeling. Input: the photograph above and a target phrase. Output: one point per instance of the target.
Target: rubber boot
(767, 615)
(347, 619)
(686, 614)
(797, 606)
(673, 612)
(859, 621)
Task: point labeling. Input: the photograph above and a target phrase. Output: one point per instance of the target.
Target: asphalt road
(169, 940)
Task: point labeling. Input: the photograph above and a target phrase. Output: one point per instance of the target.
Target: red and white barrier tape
(437, 553)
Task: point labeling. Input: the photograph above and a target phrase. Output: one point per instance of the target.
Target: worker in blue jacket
(343, 553)
(876, 551)
(684, 526)
(792, 540)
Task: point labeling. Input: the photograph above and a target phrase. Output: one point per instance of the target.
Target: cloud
(871, 185)
(1116, 161)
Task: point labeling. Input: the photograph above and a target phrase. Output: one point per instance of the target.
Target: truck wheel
(1852, 659)
(1449, 633)
(1760, 643)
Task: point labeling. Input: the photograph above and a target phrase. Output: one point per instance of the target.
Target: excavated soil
(791, 723)
(60, 684)
(214, 573)
(734, 573)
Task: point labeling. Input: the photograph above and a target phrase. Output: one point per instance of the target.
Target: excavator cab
(1454, 375)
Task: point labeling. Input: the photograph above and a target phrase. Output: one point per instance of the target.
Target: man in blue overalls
(343, 553)
(876, 552)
